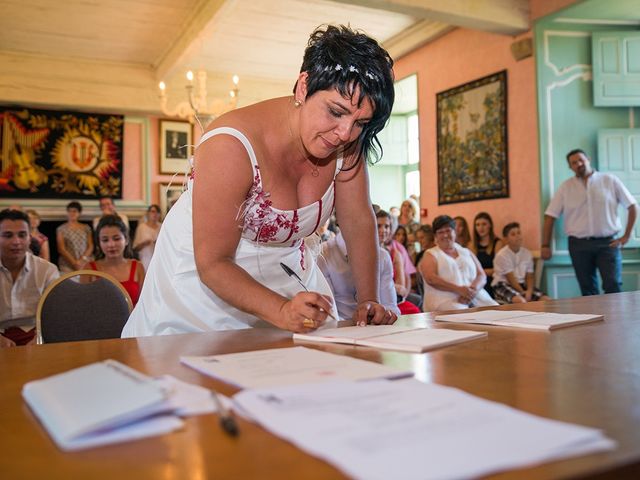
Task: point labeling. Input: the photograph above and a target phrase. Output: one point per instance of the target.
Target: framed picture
(176, 141)
(169, 194)
(472, 141)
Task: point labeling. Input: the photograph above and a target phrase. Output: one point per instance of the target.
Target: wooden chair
(94, 306)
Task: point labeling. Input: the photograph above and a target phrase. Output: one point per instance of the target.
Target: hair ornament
(353, 69)
(369, 75)
(337, 67)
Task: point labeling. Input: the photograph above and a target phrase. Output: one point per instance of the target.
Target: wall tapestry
(472, 141)
(54, 154)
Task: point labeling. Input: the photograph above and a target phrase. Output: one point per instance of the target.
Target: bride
(265, 177)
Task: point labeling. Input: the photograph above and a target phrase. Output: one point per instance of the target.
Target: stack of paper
(407, 429)
(288, 366)
(392, 337)
(521, 319)
(108, 402)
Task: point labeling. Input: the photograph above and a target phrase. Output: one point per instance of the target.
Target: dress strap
(132, 272)
(93, 266)
(234, 133)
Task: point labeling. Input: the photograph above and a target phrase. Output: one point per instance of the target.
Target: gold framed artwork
(169, 195)
(176, 140)
(472, 141)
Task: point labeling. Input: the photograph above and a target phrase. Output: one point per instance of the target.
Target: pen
(227, 421)
(293, 274)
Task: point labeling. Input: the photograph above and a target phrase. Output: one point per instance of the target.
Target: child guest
(513, 270)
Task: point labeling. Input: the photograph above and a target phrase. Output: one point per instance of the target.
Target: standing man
(107, 207)
(590, 202)
(23, 278)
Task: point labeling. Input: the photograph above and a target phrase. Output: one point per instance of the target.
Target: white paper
(147, 427)
(422, 340)
(288, 366)
(484, 316)
(349, 334)
(186, 399)
(375, 430)
(521, 319)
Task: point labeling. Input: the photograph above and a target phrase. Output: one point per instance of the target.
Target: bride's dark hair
(340, 58)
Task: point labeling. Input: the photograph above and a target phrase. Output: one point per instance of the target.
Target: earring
(297, 103)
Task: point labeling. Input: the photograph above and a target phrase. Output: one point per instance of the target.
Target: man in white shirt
(108, 208)
(589, 202)
(334, 264)
(23, 278)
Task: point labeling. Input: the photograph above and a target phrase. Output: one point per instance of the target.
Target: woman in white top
(265, 177)
(146, 235)
(453, 276)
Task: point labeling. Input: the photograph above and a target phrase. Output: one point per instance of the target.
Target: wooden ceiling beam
(506, 17)
(206, 14)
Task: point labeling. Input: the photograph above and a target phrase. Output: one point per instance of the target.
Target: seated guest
(425, 238)
(334, 264)
(463, 237)
(115, 256)
(485, 245)
(23, 278)
(409, 215)
(453, 277)
(108, 208)
(513, 270)
(402, 281)
(39, 241)
(74, 242)
(144, 241)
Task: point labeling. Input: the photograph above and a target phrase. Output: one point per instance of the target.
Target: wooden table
(588, 374)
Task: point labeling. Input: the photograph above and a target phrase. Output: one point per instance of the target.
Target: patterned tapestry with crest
(56, 154)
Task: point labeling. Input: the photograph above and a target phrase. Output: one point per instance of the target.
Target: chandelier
(199, 107)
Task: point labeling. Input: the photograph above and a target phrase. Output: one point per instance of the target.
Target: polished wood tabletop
(587, 374)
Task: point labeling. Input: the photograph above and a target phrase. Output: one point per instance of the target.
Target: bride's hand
(373, 313)
(305, 312)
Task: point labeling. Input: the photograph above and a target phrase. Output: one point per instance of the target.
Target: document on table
(374, 430)
(391, 337)
(108, 402)
(288, 366)
(521, 319)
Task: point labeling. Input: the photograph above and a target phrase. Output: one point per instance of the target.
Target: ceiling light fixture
(198, 105)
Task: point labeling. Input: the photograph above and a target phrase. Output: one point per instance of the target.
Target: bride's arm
(358, 226)
(223, 176)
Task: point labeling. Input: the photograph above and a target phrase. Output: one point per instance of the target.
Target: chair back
(93, 306)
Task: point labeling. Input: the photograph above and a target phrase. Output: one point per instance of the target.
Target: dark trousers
(589, 254)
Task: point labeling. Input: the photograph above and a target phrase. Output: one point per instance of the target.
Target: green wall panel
(568, 119)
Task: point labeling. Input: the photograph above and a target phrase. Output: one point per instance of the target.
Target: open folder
(521, 319)
(100, 403)
(391, 337)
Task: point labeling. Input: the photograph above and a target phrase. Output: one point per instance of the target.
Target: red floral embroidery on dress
(302, 255)
(261, 218)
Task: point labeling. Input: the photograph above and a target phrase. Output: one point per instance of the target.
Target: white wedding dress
(174, 300)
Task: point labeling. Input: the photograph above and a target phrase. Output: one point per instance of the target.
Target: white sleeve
(556, 205)
(623, 195)
(324, 268)
(529, 262)
(502, 265)
(387, 290)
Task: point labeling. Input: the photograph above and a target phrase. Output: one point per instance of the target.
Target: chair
(95, 306)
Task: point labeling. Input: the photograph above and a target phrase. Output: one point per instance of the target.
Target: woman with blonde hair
(144, 241)
(409, 215)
